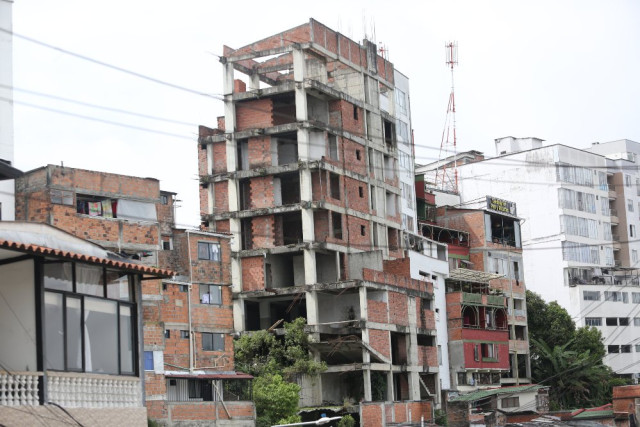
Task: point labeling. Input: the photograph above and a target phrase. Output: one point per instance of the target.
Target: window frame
(73, 294)
(208, 286)
(210, 338)
(211, 256)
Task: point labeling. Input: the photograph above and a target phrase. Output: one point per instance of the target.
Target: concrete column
(390, 386)
(313, 315)
(254, 83)
(366, 377)
(299, 74)
(238, 315)
(265, 314)
(412, 351)
(366, 357)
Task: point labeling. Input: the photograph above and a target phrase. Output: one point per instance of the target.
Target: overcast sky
(564, 71)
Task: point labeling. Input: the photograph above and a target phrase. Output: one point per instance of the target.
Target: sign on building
(501, 206)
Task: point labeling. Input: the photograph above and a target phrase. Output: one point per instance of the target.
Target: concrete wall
(18, 349)
(52, 416)
(334, 308)
(358, 261)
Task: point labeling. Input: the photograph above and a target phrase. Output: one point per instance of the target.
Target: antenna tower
(447, 171)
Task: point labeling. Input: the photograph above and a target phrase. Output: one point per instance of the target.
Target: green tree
(274, 362)
(588, 339)
(275, 399)
(347, 421)
(560, 326)
(576, 379)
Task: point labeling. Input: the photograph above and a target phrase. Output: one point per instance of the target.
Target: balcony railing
(75, 390)
(471, 298)
(19, 388)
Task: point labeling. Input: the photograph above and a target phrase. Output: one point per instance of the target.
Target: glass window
(591, 295)
(54, 330)
(209, 251)
(211, 294)
(126, 340)
(74, 333)
(638, 348)
(630, 205)
(212, 342)
(625, 348)
(623, 321)
(89, 280)
(612, 321)
(148, 361)
(613, 349)
(511, 402)
(62, 197)
(636, 321)
(593, 321)
(58, 275)
(101, 336)
(119, 286)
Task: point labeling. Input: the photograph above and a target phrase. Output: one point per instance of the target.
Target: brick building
(303, 170)
(187, 319)
(486, 302)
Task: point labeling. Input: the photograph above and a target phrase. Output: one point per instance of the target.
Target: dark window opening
(361, 191)
(502, 230)
(612, 321)
(184, 334)
(290, 188)
(355, 112)
(336, 222)
(363, 230)
(333, 147)
(358, 156)
(334, 183)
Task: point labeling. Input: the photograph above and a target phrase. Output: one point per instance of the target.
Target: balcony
(20, 388)
(613, 214)
(481, 299)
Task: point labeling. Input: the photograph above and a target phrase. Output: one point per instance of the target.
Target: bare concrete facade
(303, 172)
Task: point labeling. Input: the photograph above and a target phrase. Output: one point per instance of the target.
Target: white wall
(527, 402)
(7, 198)
(18, 349)
(440, 269)
(334, 308)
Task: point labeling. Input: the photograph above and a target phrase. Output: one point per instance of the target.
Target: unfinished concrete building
(303, 172)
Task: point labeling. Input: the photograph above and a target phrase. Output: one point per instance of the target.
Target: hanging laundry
(107, 211)
(95, 209)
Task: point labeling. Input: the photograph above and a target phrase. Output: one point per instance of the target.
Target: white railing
(19, 388)
(76, 390)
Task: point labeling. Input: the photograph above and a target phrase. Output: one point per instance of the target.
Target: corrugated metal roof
(466, 275)
(481, 394)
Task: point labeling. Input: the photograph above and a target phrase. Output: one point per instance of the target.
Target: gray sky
(564, 71)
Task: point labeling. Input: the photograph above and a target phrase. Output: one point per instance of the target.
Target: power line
(111, 66)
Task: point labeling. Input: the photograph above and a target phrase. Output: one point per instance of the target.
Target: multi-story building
(486, 301)
(187, 319)
(579, 229)
(303, 169)
(485, 289)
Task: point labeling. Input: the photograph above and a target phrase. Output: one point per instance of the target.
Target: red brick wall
(220, 191)
(355, 236)
(352, 189)
(371, 414)
(263, 231)
(398, 309)
(380, 341)
(400, 267)
(321, 225)
(428, 356)
(377, 311)
(261, 190)
(253, 273)
(219, 157)
(157, 409)
(254, 114)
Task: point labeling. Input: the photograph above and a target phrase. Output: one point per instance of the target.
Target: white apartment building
(399, 98)
(579, 233)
